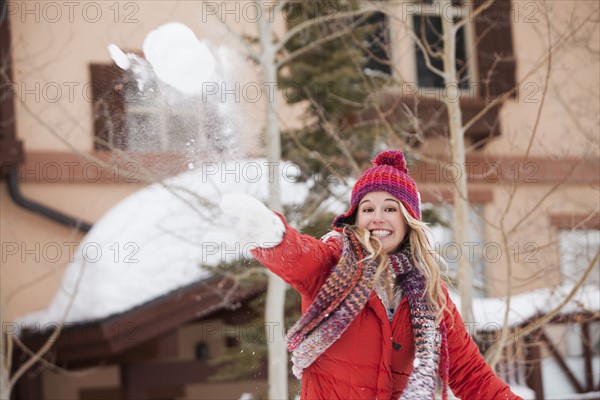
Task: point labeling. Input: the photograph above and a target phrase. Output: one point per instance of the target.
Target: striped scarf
(343, 296)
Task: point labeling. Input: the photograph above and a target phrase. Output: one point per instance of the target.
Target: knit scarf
(343, 296)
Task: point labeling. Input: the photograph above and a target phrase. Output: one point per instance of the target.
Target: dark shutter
(108, 99)
(493, 35)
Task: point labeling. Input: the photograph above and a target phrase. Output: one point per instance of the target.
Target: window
(476, 250)
(576, 340)
(232, 342)
(428, 28)
(149, 116)
(201, 351)
(377, 48)
(577, 248)
(484, 61)
(157, 119)
(484, 55)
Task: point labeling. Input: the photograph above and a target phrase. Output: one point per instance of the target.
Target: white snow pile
(155, 241)
(489, 312)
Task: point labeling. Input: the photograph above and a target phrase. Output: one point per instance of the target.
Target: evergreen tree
(337, 79)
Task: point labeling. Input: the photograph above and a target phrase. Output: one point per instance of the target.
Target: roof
(83, 342)
(524, 308)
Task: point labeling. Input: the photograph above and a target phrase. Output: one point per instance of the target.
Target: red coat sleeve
(471, 378)
(300, 260)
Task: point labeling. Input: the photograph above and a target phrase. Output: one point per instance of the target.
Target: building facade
(78, 137)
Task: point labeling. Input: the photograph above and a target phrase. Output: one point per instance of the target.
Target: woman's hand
(258, 226)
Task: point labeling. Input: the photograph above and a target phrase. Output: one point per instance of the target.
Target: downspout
(11, 149)
(14, 189)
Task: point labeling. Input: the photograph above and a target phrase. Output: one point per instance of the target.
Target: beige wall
(524, 213)
(51, 53)
(533, 248)
(568, 123)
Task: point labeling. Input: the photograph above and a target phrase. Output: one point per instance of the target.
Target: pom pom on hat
(393, 158)
(388, 174)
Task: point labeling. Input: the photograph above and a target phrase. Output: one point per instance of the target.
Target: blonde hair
(426, 259)
(372, 245)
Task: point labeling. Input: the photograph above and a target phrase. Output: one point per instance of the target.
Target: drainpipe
(14, 189)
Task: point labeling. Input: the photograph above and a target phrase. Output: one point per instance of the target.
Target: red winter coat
(373, 358)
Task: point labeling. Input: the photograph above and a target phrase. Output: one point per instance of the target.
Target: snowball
(179, 59)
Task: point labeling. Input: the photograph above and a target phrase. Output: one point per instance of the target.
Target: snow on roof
(489, 312)
(155, 240)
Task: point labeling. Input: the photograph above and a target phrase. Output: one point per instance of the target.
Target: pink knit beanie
(388, 174)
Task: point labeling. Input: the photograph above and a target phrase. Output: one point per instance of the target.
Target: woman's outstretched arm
(300, 260)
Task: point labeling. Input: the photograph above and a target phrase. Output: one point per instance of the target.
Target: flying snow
(120, 58)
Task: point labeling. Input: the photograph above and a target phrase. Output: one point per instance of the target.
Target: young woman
(377, 320)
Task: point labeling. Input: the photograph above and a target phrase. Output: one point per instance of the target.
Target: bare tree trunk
(5, 362)
(457, 143)
(4, 389)
(274, 308)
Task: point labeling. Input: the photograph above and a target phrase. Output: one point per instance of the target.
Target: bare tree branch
(53, 337)
(370, 8)
(252, 54)
(332, 133)
(53, 367)
(347, 29)
(531, 327)
(500, 99)
(471, 17)
(430, 66)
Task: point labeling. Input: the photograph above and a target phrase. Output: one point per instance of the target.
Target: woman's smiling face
(380, 214)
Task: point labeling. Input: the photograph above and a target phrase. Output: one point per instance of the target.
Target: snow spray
(170, 106)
